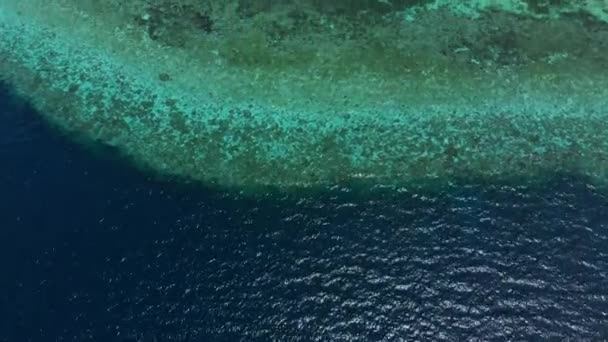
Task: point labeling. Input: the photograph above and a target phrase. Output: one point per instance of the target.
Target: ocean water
(94, 250)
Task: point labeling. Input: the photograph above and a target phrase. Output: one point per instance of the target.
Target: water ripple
(520, 264)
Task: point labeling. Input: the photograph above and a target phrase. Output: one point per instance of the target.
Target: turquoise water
(299, 125)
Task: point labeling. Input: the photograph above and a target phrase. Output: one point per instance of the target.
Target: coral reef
(304, 93)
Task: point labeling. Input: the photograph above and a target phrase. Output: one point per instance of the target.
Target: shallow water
(92, 250)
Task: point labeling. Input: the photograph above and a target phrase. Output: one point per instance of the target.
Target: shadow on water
(92, 249)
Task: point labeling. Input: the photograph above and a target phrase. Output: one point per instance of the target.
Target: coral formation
(300, 93)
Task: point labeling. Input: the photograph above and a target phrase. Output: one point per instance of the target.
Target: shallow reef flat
(308, 93)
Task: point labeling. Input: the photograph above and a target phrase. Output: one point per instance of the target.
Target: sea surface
(93, 250)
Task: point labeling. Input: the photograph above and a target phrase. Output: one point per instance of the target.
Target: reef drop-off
(246, 94)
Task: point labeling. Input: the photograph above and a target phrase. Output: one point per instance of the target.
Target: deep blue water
(92, 250)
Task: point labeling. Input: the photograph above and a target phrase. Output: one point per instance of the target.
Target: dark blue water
(92, 250)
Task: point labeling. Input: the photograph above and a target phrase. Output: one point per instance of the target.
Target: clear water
(92, 250)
